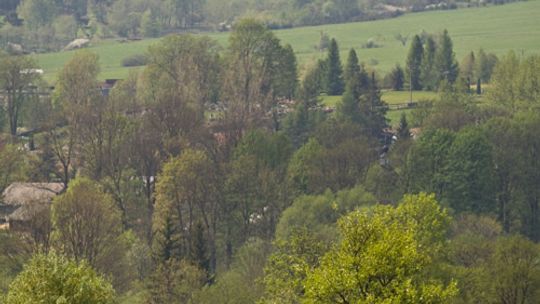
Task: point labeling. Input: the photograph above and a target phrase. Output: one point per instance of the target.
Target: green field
(496, 29)
(390, 97)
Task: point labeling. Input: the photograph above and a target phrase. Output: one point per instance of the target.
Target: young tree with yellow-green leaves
(386, 255)
(56, 279)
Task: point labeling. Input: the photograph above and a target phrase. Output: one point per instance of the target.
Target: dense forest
(45, 25)
(217, 175)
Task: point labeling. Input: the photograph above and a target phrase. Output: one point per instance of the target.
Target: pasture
(496, 29)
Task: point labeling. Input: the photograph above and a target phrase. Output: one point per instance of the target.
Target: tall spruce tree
(403, 129)
(446, 66)
(355, 75)
(376, 108)
(397, 78)
(414, 61)
(427, 73)
(334, 76)
(357, 87)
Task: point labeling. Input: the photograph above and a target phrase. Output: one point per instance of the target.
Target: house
(22, 201)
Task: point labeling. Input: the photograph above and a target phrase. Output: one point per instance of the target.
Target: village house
(22, 201)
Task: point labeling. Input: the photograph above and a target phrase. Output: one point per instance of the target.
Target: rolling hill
(497, 29)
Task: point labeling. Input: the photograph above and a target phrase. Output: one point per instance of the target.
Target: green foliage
(414, 61)
(287, 268)
(396, 78)
(334, 77)
(185, 195)
(444, 62)
(242, 282)
(318, 213)
(403, 129)
(470, 173)
(55, 279)
(17, 80)
(484, 65)
(331, 161)
(427, 161)
(174, 282)
(385, 256)
(37, 13)
(515, 81)
(428, 74)
(492, 268)
(13, 166)
(98, 238)
(135, 60)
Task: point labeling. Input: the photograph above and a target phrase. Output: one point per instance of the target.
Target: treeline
(431, 60)
(46, 25)
(213, 171)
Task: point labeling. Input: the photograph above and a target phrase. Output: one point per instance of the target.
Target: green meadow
(497, 29)
(391, 98)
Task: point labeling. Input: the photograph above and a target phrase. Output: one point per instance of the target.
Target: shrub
(134, 60)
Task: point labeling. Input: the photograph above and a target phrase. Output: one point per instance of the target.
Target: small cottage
(22, 201)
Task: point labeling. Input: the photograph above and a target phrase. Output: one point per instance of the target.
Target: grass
(390, 97)
(497, 29)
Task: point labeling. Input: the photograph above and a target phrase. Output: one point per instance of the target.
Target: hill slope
(496, 29)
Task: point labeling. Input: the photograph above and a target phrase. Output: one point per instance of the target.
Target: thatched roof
(29, 199)
(18, 194)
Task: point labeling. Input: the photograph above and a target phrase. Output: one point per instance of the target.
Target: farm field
(497, 29)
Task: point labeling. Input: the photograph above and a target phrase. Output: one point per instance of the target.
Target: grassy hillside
(496, 29)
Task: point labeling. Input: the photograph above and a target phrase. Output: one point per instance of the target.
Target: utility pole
(410, 84)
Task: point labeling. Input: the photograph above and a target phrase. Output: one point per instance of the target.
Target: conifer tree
(334, 76)
(397, 78)
(414, 61)
(427, 73)
(403, 129)
(445, 61)
(467, 67)
(376, 118)
(357, 87)
(352, 67)
(356, 77)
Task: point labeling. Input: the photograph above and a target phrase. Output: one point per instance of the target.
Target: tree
(427, 161)
(55, 279)
(251, 78)
(318, 214)
(17, 79)
(414, 61)
(467, 68)
(186, 195)
(397, 78)
(182, 76)
(445, 63)
(80, 106)
(484, 65)
(470, 173)
(427, 72)
(175, 282)
(97, 220)
(514, 271)
(37, 13)
(385, 256)
(334, 76)
(287, 268)
(13, 166)
(286, 79)
(149, 24)
(403, 129)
